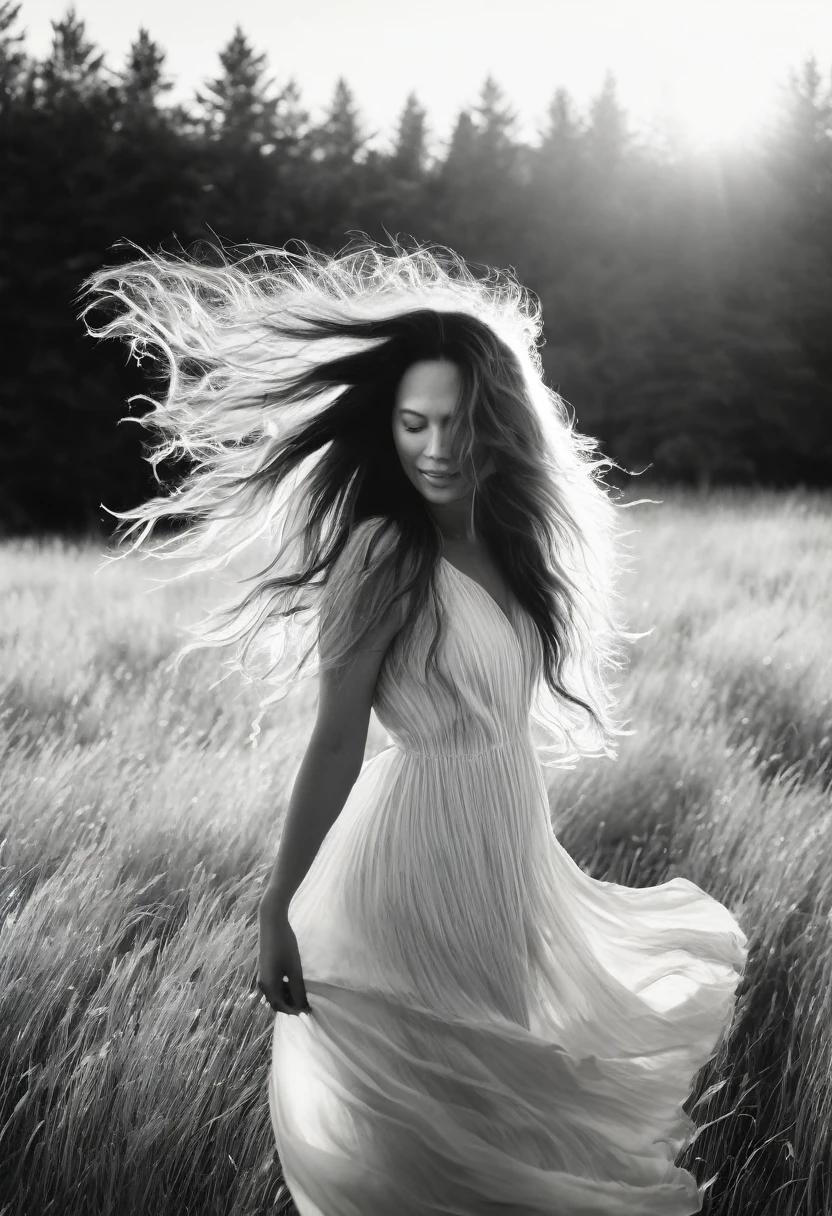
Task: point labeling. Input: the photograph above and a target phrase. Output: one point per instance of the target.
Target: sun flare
(707, 79)
(717, 113)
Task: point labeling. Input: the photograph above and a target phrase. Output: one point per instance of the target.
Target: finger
(276, 1004)
(283, 1002)
(269, 997)
(297, 992)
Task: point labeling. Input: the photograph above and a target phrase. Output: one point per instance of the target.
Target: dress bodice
(480, 694)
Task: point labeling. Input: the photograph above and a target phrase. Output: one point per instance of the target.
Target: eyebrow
(405, 409)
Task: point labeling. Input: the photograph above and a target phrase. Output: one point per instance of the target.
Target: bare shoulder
(355, 593)
(347, 688)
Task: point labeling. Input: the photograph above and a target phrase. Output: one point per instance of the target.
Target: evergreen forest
(687, 297)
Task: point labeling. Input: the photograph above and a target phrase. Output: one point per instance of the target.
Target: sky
(707, 70)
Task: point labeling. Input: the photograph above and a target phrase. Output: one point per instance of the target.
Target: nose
(437, 446)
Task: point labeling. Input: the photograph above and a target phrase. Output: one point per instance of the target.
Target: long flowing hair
(281, 369)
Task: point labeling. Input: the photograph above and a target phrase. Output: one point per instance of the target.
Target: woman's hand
(280, 976)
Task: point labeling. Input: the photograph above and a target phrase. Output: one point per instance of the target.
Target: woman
(466, 1021)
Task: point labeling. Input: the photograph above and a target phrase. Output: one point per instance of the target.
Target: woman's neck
(453, 520)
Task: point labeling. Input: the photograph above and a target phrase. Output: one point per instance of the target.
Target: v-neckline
(508, 620)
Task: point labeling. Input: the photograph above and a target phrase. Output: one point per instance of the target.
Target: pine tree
(460, 158)
(410, 151)
(480, 177)
(607, 138)
(560, 138)
(73, 68)
(291, 121)
(482, 153)
(237, 107)
(141, 80)
(338, 139)
(557, 163)
(800, 148)
(495, 123)
(13, 59)
(558, 187)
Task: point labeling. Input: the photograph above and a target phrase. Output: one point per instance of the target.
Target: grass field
(140, 815)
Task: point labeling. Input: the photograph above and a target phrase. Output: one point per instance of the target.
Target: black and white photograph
(415, 630)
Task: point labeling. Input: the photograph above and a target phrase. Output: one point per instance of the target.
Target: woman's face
(426, 401)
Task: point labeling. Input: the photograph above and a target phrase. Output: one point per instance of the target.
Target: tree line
(687, 299)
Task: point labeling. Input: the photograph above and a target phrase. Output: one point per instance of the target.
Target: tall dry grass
(140, 815)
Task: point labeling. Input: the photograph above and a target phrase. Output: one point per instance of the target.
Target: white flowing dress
(491, 1029)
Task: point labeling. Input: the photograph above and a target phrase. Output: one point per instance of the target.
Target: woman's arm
(330, 765)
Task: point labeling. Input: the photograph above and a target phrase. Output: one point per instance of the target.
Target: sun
(710, 70)
(718, 115)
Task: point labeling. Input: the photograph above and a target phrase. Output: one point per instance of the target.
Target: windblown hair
(282, 369)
